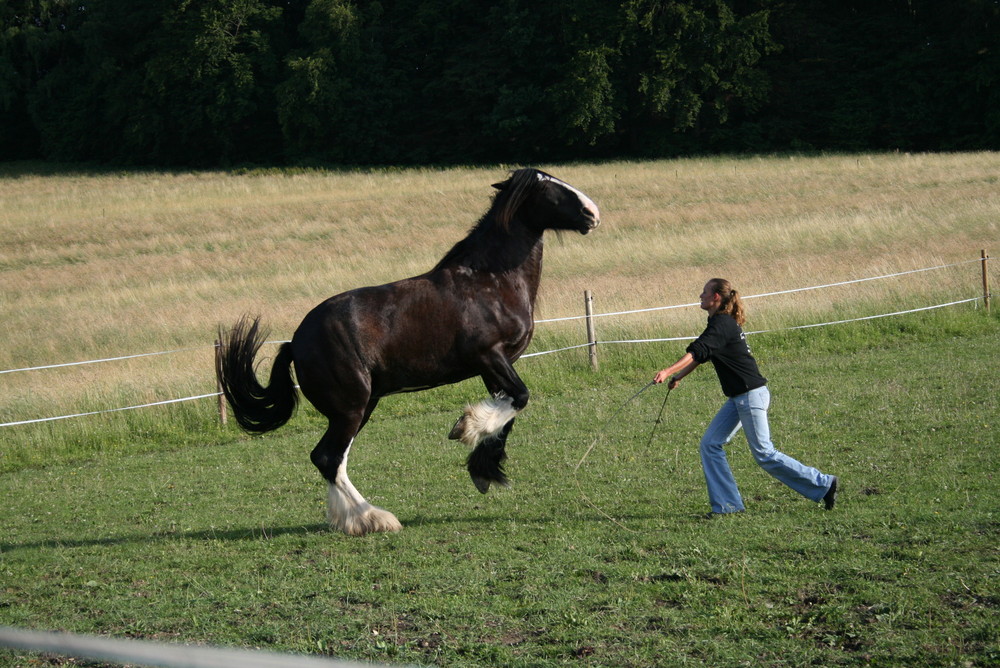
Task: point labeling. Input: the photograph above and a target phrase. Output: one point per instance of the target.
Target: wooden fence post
(986, 280)
(588, 301)
(223, 410)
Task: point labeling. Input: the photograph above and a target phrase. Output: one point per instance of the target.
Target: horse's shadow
(228, 535)
(254, 533)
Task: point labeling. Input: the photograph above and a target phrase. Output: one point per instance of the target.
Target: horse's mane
(506, 203)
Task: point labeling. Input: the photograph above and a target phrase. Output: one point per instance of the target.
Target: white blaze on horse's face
(585, 202)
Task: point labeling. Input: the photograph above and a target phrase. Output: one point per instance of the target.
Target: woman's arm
(678, 370)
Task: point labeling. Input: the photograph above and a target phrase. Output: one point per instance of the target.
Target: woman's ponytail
(731, 304)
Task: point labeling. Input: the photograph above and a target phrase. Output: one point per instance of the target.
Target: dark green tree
(337, 98)
(149, 81)
(687, 66)
(217, 82)
(35, 37)
(209, 83)
(895, 74)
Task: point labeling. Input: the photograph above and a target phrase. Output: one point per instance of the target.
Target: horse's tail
(257, 409)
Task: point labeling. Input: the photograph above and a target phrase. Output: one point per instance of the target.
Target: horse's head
(545, 203)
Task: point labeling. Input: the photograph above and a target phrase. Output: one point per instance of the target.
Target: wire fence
(984, 297)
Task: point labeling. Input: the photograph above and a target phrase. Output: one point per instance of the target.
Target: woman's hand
(681, 368)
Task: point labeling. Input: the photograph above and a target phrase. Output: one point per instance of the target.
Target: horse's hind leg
(347, 510)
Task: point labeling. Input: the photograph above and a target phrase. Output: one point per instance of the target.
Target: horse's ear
(502, 185)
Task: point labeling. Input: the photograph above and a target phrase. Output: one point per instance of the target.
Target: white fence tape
(770, 294)
(540, 353)
(147, 653)
(535, 354)
(871, 317)
(762, 331)
(107, 359)
(538, 322)
(111, 410)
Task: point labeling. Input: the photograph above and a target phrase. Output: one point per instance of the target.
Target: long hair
(731, 304)
(512, 194)
(477, 247)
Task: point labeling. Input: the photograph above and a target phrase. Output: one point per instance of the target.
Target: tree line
(356, 82)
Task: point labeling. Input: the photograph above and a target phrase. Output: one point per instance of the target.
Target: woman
(724, 343)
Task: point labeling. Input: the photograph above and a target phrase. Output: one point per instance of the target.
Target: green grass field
(160, 524)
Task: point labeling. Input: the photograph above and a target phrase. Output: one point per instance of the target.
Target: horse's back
(402, 335)
(416, 333)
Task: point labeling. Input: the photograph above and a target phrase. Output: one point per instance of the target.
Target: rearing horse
(471, 315)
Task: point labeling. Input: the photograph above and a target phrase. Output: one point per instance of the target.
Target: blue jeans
(749, 411)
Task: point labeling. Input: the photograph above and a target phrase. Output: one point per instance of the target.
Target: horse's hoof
(456, 432)
(483, 484)
(367, 520)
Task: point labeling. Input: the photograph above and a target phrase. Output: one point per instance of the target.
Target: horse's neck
(525, 279)
(516, 253)
(520, 259)
(528, 276)
(533, 270)
(513, 259)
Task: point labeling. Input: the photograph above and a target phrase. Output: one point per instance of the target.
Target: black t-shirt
(724, 342)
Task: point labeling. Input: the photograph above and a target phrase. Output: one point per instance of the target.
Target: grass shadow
(232, 535)
(270, 533)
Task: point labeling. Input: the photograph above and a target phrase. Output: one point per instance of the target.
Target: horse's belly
(402, 376)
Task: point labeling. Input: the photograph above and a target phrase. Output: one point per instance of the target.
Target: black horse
(471, 315)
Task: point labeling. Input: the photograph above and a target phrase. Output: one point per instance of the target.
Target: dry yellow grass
(100, 266)
(773, 224)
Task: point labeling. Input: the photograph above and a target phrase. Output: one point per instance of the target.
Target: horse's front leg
(485, 462)
(485, 426)
(488, 418)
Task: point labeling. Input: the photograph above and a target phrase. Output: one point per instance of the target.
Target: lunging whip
(659, 419)
(601, 433)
